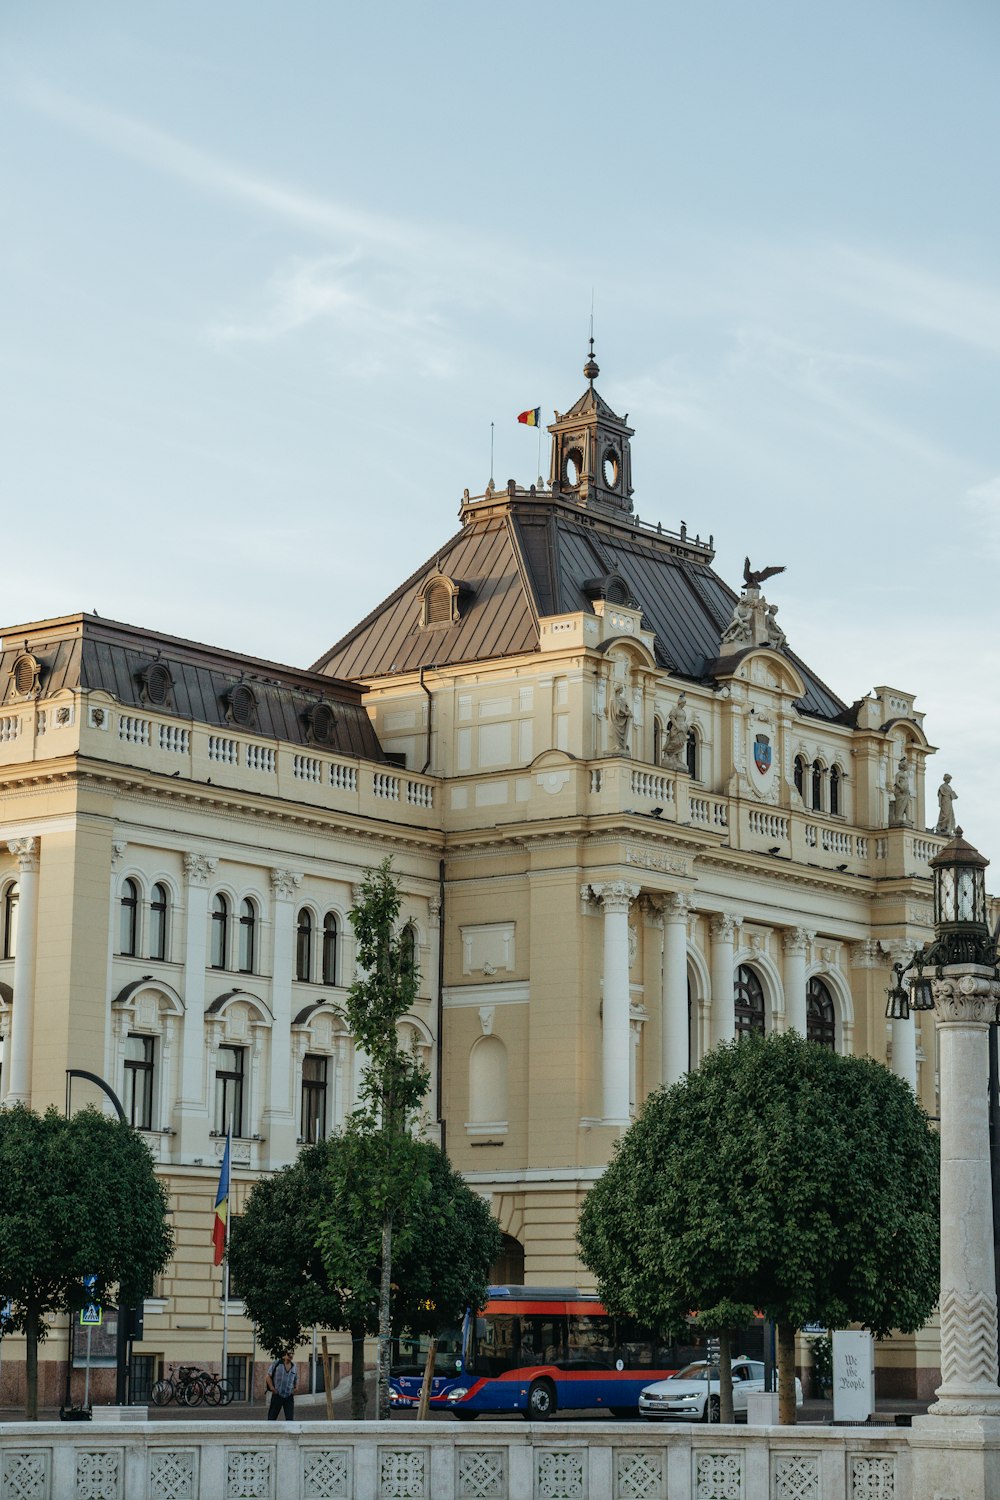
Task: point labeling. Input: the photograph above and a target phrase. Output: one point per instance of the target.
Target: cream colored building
(639, 819)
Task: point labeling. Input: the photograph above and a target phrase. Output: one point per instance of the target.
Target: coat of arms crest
(762, 753)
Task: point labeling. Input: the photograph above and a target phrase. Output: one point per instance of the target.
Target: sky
(268, 273)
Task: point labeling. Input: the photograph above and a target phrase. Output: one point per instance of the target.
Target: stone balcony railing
(397, 1460)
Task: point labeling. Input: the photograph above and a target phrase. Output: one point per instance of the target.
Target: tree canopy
(307, 1248)
(78, 1198)
(779, 1175)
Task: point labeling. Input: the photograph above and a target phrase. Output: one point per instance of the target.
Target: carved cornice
(198, 868)
(284, 883)
(25, 851)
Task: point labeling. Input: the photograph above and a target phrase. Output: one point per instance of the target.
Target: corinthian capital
(966, 997)
(25, 851)
(615, 895)
(796, 939)
(285, 883)
(198, 868)
(866, 955)
(723, 927)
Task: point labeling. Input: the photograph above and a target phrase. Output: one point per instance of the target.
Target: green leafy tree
(307, 1248)
(781, 1176)
(393, 1082)
(78, 1198)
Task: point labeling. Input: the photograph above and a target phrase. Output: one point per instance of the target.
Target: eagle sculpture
(754, 580)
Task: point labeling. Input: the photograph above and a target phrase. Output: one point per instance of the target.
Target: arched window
(158, 901)
(10, 899)
(303, 945)
(220, 931)
(248, 935)
(799, 776)
(438, 603)
(508, 1268)
(488, 1082)
(817, 785)
(835, 775)
(821, 1019)
(748, 998)
(128, 930)
(331, 933)
(657, 741)
(691, 754)
(408, 946)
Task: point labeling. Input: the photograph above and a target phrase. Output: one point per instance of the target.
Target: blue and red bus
(537, 1350)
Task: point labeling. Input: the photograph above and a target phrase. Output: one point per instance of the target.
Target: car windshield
(699, 1371)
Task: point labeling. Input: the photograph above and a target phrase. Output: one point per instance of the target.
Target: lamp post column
(965, 1002)
(723, 929)
(904, 1032)
(22, 1021)
(674, 1025)
(616, 897)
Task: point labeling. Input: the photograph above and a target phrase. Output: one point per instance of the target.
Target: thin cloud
(943, 305)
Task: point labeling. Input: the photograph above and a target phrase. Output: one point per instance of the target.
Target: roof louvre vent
(242, 706)
(157, 685)
(26, 674)
(322, 724)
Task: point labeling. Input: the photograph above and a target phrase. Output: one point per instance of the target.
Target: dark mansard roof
(94, 654)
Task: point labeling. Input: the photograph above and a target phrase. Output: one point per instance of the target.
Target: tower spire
(591, 369)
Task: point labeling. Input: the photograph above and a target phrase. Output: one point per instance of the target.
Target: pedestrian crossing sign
(91, 1316)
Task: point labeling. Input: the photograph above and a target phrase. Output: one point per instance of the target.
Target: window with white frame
(220, 930)
(248, 936)
(315, 1071)
(10, 903)
(159, 901)
(303, 945)
(331, 942)
(128, 927)
(140, 1067)
(229, 1089)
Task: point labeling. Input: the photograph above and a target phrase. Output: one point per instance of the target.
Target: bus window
(495, 1346)
(634, 1344)
(589, 1340)
(543, 1340)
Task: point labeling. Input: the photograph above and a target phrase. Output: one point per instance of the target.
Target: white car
(692, 1394)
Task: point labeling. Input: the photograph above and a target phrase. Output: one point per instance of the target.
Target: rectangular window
(229, 1090)
(314, 1071)
(139, 1071)
(141, 1371)
(236, 1374)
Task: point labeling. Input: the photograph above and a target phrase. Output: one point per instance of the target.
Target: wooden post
(327, 1382)
(423, 1406)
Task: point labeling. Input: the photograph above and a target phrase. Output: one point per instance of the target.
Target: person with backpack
(282, 1378)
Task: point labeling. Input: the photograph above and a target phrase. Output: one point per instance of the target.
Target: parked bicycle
(190, 1387)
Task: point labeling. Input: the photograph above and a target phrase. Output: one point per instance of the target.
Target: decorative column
(723, 929)
(280, 1112)
(674, 1022)
(904, 1033)
(191, 1109)
(22, 1010)
(795, 942)
(965, 1002)
(616, 897)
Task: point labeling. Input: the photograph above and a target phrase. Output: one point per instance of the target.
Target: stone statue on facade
(775, 635)
(900, 815)
(675, 744)
(946, 807)
(620, 714)
(739, 629)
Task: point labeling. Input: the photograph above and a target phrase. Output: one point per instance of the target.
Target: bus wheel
(541, 1402)
(465, 1416)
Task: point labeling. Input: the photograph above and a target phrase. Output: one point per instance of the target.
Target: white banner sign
(853, 1376)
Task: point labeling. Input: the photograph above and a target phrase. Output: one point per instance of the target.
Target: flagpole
(491, 453)
(225, 1258)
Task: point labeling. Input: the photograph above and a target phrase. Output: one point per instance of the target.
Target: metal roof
(527, 556)
(97, 655)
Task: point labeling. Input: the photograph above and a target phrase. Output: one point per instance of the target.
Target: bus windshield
(409, 1353)
(574, 1341)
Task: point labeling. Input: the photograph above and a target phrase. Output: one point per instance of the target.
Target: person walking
(282, 1378)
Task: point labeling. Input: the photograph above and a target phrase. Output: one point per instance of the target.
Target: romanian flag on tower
(222, 1204)
(532, 417)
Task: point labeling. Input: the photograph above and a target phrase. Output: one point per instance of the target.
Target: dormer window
(157, 685)
(439, 603)
(611, 587)
(241, 706)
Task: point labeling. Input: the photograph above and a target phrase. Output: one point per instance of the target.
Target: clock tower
(591, 461)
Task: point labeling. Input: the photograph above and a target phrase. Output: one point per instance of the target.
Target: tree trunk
(359, 1396)
(327, 1380)
(31, 1331)
(725, 1375)
(786, 1374)
(385, 1322)
(428, 1380)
